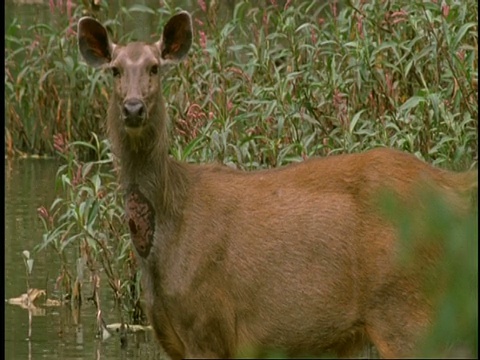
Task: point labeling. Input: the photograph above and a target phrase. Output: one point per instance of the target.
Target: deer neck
(145, 162)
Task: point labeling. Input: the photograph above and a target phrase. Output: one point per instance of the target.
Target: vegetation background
(267, 83)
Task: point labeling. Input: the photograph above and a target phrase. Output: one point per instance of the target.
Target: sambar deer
(296, 258)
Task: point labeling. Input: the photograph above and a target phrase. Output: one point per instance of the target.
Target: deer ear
(176, 38)
(93, 42)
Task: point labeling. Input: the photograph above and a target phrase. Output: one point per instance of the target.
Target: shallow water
(53, 332)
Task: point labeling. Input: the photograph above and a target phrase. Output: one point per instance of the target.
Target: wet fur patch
(140, 217)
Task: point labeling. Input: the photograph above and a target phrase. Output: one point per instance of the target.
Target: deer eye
(115, 71)
(154, 70)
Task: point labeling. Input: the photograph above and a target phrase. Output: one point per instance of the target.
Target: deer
(297, 258)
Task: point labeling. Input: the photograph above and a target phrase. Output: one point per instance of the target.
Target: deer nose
(133, 112)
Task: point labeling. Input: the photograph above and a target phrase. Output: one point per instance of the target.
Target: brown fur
(297, 258)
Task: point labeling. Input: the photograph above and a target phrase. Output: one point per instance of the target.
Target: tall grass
(267, 86)
(273, 84)
(308, 82)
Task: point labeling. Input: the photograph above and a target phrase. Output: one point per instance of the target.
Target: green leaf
(140, 8)
(355, 119)
(30, 265)
(93, 213)
(411, 103)
(191, 147)
(460, 34)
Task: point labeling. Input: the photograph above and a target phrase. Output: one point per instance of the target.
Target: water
(27, 186)
(56, 332)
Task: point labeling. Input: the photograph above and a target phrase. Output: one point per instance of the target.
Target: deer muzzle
(134, 113)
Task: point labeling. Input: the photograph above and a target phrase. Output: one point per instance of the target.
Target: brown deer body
(296, 258)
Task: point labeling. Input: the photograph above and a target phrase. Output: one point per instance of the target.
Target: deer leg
(395, 326)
